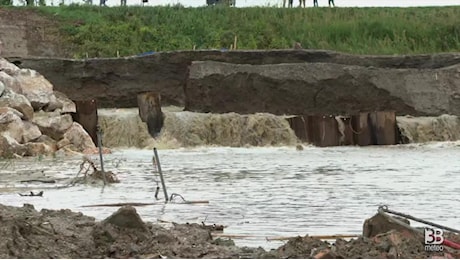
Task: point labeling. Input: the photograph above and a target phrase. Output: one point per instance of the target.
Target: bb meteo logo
(434, 239)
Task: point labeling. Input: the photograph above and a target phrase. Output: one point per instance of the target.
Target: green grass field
(101, 32)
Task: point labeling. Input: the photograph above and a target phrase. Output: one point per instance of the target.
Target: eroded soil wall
(116, 82)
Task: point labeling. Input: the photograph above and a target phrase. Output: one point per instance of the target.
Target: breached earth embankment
(38, 119)
(27, 233)
(321, 88)
(272, 81)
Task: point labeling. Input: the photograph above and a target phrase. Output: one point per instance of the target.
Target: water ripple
(262, 191)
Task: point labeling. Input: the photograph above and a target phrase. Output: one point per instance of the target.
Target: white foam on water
(429, 129)
(123, 128)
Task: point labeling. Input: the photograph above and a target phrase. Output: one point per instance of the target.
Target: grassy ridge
(100, 32)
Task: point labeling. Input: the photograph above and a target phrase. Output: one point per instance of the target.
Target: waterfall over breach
(124, 128)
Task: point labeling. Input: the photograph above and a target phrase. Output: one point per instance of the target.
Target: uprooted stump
(110, 176)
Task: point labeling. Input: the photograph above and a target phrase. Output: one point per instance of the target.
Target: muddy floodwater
(262, 192)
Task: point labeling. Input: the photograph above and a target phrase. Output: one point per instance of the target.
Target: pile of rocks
(35, 119)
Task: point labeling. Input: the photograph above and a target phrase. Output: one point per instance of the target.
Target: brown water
(260, 191)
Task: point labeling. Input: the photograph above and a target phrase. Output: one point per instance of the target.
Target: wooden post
(384, 127)
(150, 111)
(86, 116)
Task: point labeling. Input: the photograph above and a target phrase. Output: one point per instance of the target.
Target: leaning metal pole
(157, 159)
(386, 210)
(99, 144)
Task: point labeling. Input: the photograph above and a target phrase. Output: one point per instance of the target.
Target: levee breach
(124, 128)
(321, 88)
(275, 81)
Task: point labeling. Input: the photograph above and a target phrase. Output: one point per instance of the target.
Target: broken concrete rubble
(60, 101)
(53, 126)
(35, 88)
(79, 138)
(18, 102)
(30, 109)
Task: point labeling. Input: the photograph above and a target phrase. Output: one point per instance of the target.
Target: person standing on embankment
(331, 3)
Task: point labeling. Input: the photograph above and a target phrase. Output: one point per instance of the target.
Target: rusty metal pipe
(99, 144)
(157, 159)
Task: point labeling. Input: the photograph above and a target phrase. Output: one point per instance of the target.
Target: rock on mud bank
(35, 119)
(28, 233)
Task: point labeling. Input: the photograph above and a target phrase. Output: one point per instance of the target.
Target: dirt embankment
(116, 82)
(27, 233)
(26, 33)
(321, 88)
(324, 81)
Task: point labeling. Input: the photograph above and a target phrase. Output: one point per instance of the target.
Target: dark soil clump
(27, 233)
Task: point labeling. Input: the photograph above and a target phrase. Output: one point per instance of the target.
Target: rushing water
(262, 192)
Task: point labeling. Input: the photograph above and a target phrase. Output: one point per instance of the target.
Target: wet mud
(28, 233)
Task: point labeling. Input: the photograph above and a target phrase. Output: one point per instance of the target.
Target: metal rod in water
(157, 159)
(99, 144)
(156, 192)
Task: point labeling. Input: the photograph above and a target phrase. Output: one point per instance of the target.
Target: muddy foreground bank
(28, 233)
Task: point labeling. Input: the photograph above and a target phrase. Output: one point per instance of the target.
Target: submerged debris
(95, 177)
(213, 227)
(32, 194)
